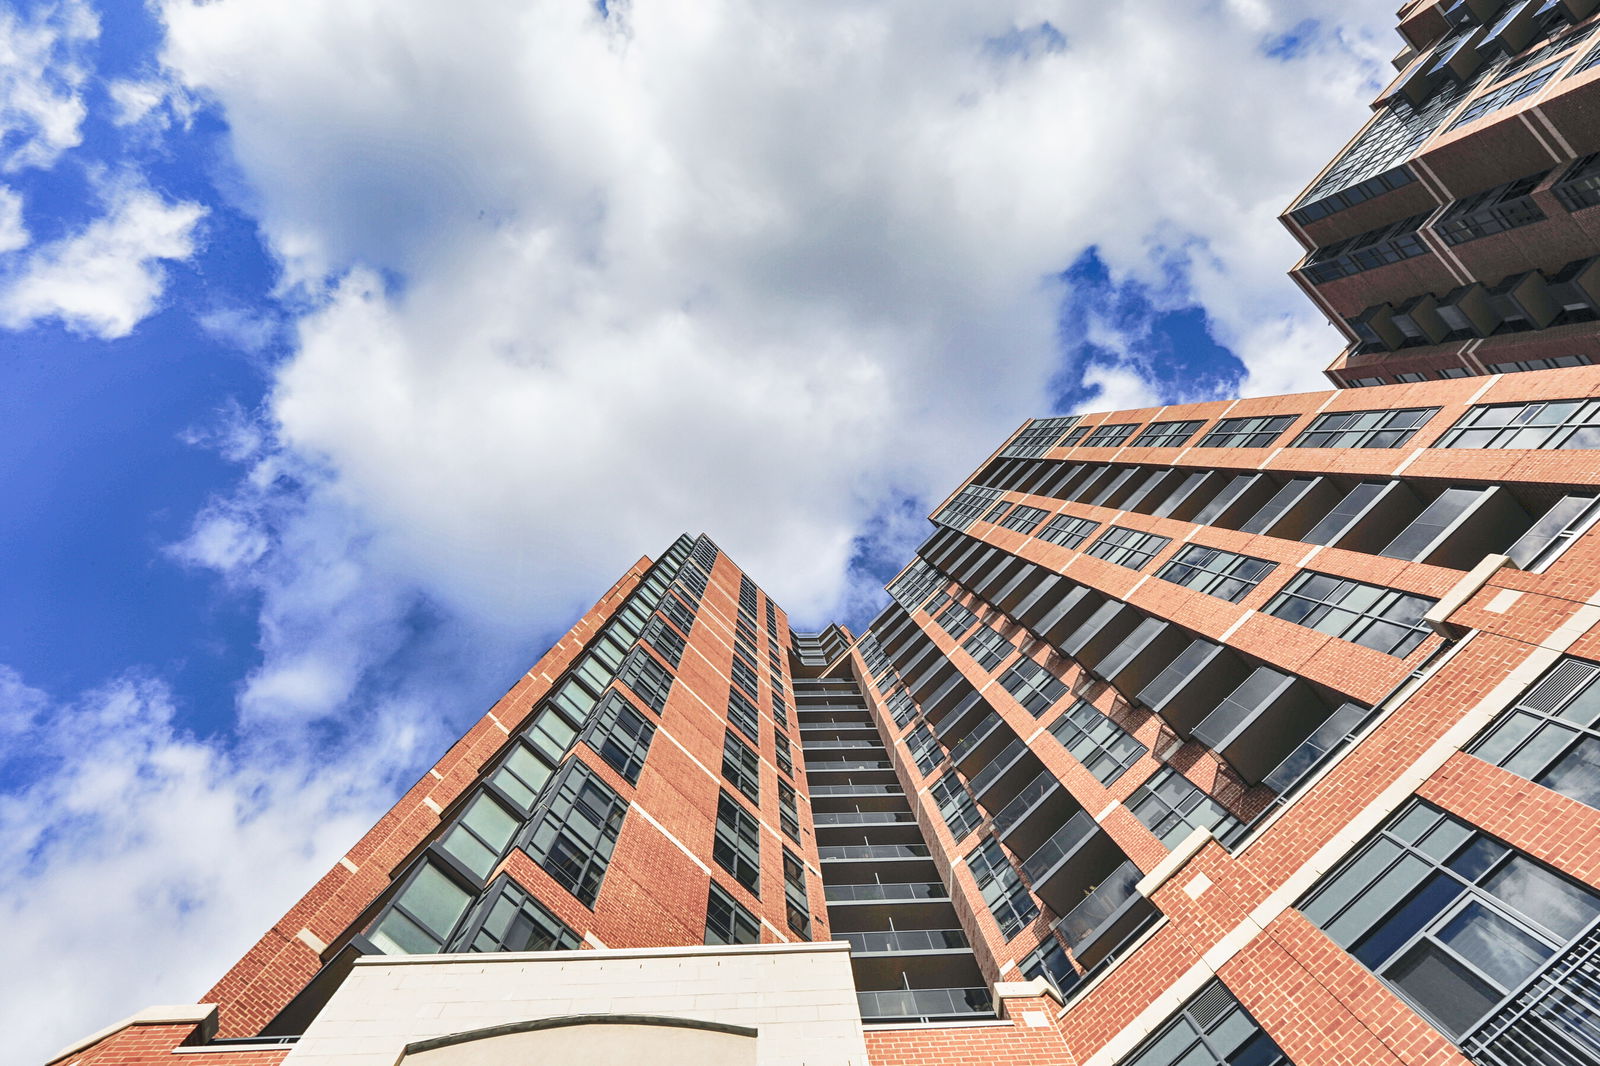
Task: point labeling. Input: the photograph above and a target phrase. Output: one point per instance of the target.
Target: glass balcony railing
(895, 940)
(1062, 842)
(996, 766)
(1031, 793)
(925, 1004)
(860, 817)
(979, 733)
(857, 789)
(826, 745)
(884, 892)
(1083, 923)
(873, 851)
(824, 765)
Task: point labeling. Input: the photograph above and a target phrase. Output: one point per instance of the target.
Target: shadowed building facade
(1253, 731)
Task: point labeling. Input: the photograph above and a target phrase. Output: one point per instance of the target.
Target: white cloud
(746, 270)
(107, 277)
(42, 73)
(13, 233)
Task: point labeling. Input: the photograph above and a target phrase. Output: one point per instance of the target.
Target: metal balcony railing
(896, 940)
(861, 817)
(1032, 792)
(926, 1004)
(1072, 833)
(1083, 923)
(873, 851)
(890, 892)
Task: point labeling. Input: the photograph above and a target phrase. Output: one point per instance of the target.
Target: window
(481, 835)
(727, 922)
(1579, 187)
(1495, 210)
(1067, 531)
(1167, 434)
(1451, 918)
(744, 675)
(966, 507)
(705, 553)
(1505, 95)
(1209, 1030)
(1127, 547)
(743, 714)
(1101, 745)
(1039, 437)
(1391, 243)
(621, 736)
(780, 713)
(675, 611)
(1370, 615)
(1109, 436)
(419, 919)
(1172, 807)
(1256, 432)
(901, 708)
(925, 749)
(1549, 736)
(1523, 366)
(1023, 519)
(573, 836)
(788, 810)
(797, 905)
(648, 679)
(741, 766)
(1556, 528)
(1216, 573)
(737, 846)
(996, 511)
(528, 764)
(664, 640)
(1365, 429)
(955, 804)
(785, 757)
(1049, 960)
(1002, 888)
(956, 620)
(1031, 685)
(987, 647)
(515, 921)
(1542, 424)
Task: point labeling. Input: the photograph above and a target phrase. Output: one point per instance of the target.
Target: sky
(349, 351)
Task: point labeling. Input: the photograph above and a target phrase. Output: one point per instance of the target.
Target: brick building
(1254, 731)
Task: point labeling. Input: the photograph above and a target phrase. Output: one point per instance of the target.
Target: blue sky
(348, 351)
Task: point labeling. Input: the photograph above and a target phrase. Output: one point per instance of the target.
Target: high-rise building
(1245, 732)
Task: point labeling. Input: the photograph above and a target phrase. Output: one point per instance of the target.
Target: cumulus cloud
(144, 857)
(104, 279)
(586, 281)
(42, 74)
(13, 232)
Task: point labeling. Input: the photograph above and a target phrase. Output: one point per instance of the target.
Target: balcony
(1075, 859)
(857, 789)
(902, 941)
(1185, 691)
(862, 817)
(1065, 615)
(814, 766)
(1101, 632)
(1007, 818)
(1142, 656)
(887, 892)
(1261, 722)
(925, 1005)
(871, 852)
(979, 746)
(1107, 914)
(1015, 765)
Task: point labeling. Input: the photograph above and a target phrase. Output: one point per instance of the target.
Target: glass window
(621, 736)
(1451, 918)
(955, 804)
(1566, 519)
(648, 679)
(420, 917)
(737, 845)
(1255, 432)
(664, 640)
(1370, 615)
(741, 766)
(987, 647)
(1031, 685)
(1171, 806)
(1365, 429)
(956, 620)
(524, 771)
(573, 836)
(789, 810)
(1549, 736)
(1167, 434)
(1023, 519)
(743, 714)
(1039, 437)
(1540, 424)
(797, 905)
(1002, 888)
(1215, 572)
(1212, 1029)
(1067, 531)
(512, 920)
(481, 835)
(1101, 745)
(966, 507)
(1109, 436)
(1128, 547)
(727, 922)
